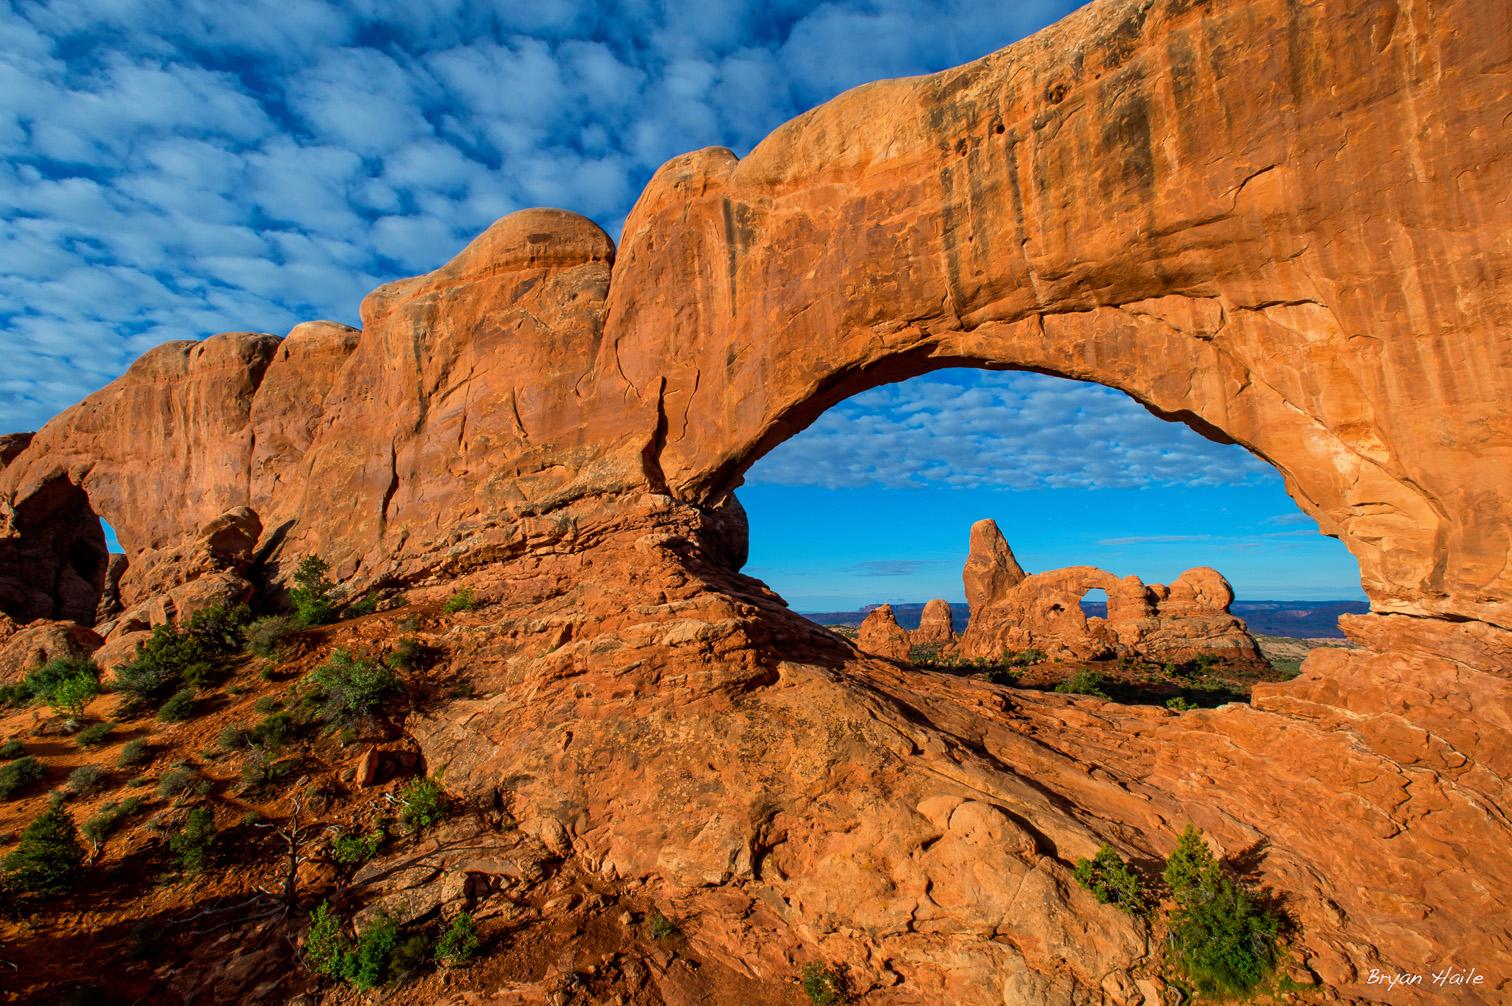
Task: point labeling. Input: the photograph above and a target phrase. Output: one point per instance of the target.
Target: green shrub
(354, 850)
(12, 749)
(660, 927)
(1180, 703)
(267, 704)
(179, 707)
(325, 946)
(1222, 937)
(351, 688)
(367, 966)
(1084, 682)
(423, 803)
(273, 731)
(459, 944)
(85, 779)
(177, 780)
(49, 858)
(1023, 658)
(70, 696)
(462, 600)
(262, 768)
(404, 654)
(1001, 675)
(109, 817)
(313, 596)
(192, 841)
(17, 775)
(134, 752)
(365, 963)
(179, 656)
(823, 986)
(1111, 880)
(265, 636)
(42, 682)
(94, 735)
(234, 737)
(365, 605)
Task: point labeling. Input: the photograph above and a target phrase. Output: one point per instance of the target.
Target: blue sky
(171, 170)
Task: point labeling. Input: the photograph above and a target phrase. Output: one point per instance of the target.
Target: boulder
(39, 642)
(881, 634)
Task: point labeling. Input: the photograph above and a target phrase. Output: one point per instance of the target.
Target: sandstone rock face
(30, 647)
(991, 568)
(1282, 224)
(936, 625)
(1179, 623)
(881, 634)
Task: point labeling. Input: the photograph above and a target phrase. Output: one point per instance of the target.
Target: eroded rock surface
(881, 634)
(1301, 247)
(1011, 613)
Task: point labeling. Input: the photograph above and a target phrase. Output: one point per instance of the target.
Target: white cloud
(1000, 431)
(169, 170)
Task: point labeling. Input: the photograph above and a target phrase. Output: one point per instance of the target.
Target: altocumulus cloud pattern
(175, 169)
(974, 430)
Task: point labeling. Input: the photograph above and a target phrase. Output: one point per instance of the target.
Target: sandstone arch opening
(873, 500)
(54, 563)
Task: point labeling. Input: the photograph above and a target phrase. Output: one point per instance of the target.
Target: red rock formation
(26, 649)
(1282, 224)
(936, 625)
(881, 634)
(1013, 613)
(991, 568)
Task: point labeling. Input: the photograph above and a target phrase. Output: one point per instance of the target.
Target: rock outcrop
(936, 625)
(1012, 612)
(30, 647)
(881, 634)
(1282, 224)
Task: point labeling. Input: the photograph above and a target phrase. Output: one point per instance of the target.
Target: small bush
(1222, 936)
(17, 775)
(1084, 682)
(365, 605)
(70, 696)
(462, 600)
(660, 927)
(1111, 880)
(404, 654)
(267, 704)
(823, 986)
(261, 768)
(192, 841)
(351, 688)
(109, 818)
(313, 595)
(49, 858)
(354, 850)
(324, 945)
(180, 706)
(1180, 703)
(364, 963)
(423, 803)
(273, 731)
(1023, 658)
(265, 636)
(177, 780)
(179, 656)
(41, 683)
(134, 752)
(85, 779)
(94, 735)
(367, 966)
(234, 737)
(12, 749)
(459, 944)
(1001, 675)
